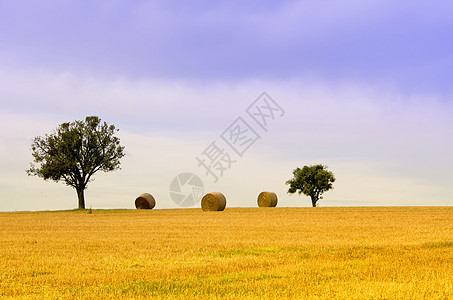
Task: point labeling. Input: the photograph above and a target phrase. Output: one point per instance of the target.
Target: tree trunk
(313, 200)
(81, 197)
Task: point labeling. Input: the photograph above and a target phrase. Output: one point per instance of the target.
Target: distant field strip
(244, 253)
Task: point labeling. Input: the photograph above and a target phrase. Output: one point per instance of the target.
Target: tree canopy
(311, 181)
(75, 151)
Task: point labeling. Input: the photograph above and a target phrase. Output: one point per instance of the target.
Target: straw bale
(214, 201)
(145, 201)
(267, 199)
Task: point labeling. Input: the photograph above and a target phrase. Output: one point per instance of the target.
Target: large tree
(75, 151)
(311, 181)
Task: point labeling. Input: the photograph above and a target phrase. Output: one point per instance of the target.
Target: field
(325, 253)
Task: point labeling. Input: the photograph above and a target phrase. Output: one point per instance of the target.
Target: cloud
(386, 42)
(143, 104)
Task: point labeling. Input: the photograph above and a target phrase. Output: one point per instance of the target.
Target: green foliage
(311, 181)
(75, 151)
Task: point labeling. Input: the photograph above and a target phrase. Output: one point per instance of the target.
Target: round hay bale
(213, 202)
(145, 201)
(267, 199)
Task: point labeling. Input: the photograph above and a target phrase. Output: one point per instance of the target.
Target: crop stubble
(387, 252)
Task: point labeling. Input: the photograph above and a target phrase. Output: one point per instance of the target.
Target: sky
(364, 87)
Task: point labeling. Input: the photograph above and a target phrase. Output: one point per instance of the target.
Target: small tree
(75, 151)
(312, 181)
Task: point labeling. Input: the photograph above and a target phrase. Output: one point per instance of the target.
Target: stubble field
(325, 253)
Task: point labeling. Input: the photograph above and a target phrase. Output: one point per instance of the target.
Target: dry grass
(392, 253)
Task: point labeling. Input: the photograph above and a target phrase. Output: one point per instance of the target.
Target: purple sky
(372, 41)
(366, 86)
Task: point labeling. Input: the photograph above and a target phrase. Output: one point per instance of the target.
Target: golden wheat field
(312, 253)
